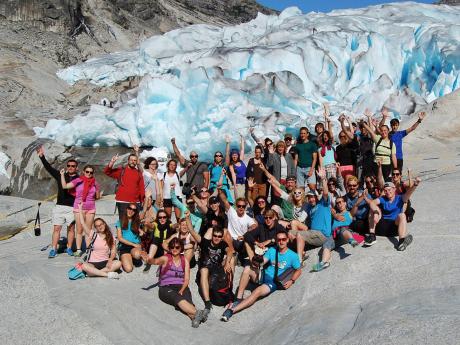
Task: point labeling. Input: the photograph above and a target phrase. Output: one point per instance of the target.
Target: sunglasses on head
(282, 239)
(71, 165)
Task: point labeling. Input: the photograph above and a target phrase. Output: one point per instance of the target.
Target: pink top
(101, 251)
(90, 203)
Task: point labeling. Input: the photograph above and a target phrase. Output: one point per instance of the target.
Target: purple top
(90, 203)
(174, 276)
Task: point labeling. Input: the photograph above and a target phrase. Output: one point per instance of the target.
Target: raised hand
(62, 171)
(114, 158)
(251, 183)
(421, 115)
(40, 151)
(385, 112)
(368, 113)
(173, 141)
(321, 173)
(136, 148)
(228, 138)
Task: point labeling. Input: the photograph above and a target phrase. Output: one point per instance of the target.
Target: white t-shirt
(168, 181)
(149, 182)
(238, 226)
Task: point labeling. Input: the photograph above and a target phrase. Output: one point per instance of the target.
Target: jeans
(303, 178)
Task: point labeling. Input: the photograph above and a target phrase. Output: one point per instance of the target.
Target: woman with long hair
(87, 191)
(129, 234)
(174, 280)
(183, 234)
(101, 260)
(238, 171)
(327, 155)
(282, 165)
(152, 181)
(171, 179)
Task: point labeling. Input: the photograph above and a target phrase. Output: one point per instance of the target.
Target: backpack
(178, 178)
(168, 265)
(379, 143)
(220, 286)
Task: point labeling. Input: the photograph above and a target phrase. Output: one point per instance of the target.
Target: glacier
(203, 82)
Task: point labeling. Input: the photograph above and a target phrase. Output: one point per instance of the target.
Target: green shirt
(287, 207)
(305, 152)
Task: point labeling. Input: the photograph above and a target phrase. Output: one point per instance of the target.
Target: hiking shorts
(169, 294)
(62, 215)
(316, 238)
(387, 228)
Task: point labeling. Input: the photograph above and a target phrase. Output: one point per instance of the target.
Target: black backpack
(220, 286)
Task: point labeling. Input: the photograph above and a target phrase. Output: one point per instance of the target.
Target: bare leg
(79, 230)
(374, 218)
(204, 283)
(326, 255)
(93, 271)
(127, 262)
(70, 235)
(187, 308)
(189, 254)
(300, 246)
(401, 222)
(261, 291)
(136, 253)
(296, 225)
(249, 250)
(248, 274)
(168, 211)
(55, 236)
(177, 213)
(347, 235)
(152, 250)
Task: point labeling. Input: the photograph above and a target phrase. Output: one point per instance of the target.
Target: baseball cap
(213, 200)
(310, 193)
(389, 184)
(288, 136)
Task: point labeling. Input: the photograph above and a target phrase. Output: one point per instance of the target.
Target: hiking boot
(320, 266)
(69, 251)
(197, 319)
(113, 275)
(353, 242)
(370, 240)
(228, 313)
(52, 253)
(404, 242)
(146, 268)
(78, 253)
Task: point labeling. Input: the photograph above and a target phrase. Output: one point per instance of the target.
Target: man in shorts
(387, 217)
(63, 211)
(287, 259)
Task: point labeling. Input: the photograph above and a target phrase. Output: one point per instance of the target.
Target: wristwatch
(419, 120)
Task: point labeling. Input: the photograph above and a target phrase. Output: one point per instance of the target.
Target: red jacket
(130, 184)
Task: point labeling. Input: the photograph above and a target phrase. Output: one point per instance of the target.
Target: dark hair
(72, 160)
(132, 155)
(89, 166)
(304, 129)
(332, 179)
(241, 199)
(108, 234)
(176, 242)
(135, 221)
(216, 229)
(257, 210)
(258, 147)
(161, 211)
(169, 162)
(148, 161)
(282, 231)
(393, 121)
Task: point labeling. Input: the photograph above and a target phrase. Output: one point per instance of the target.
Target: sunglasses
(297, 193)
(283, 239)
(191, 203)
(175, 247)
(89, 172)
(396, 174)
(71, 165)
(193, 156)
(261, 202)
(217, 236)
(241, 206)
(218, 156)
(287, 139)
(352, 185)
(132, 209)
(269, 218)
(162, 217)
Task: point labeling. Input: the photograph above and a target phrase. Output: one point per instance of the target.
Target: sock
(207, 304)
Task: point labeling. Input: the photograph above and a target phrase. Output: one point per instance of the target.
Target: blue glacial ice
(203, 82)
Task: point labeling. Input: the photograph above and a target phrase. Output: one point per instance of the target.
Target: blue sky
(325, 5)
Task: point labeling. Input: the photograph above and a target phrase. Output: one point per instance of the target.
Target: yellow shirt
(383, 151)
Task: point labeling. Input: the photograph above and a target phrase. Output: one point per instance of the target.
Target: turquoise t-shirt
(329, 157)
(336, 223)
(321, 218)
(289, 259)
(128, 234)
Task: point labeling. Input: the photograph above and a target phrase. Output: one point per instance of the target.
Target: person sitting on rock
(387, 216)
(215, 256)
(87, 190)
(101, 260)
(63, 211)
(174, 280)
(341, 223)
(184, 234)
(284, 259)
(129, 235)
(357, 206)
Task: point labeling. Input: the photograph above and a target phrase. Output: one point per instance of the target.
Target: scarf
(88, 183)
(327, 146)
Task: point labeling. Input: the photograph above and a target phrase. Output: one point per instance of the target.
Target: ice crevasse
(202, 82)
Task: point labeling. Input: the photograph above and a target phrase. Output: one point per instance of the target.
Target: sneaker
(113, 275)
(52, 253)
(197, 319)
(353, 242)
(320, 266)
(206, 312)
(77, 253)
(370, 240)
(69, 251)
(236, 302)
(228, 313)
(404, 242)
(146, 268)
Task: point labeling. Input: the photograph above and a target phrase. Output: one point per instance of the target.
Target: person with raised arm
(347, 149)
(171, 180)
(327, 155)
(238, 170)
(397, 136)
(197, 174)
(282, 165)
(384, 149)
(282, 262)
(101, 260)
(130, 186)
(387, 217)
(256, 175)
(87, 191)
(183, 233)
(63, 210)
(305, 159)
(174, 280)
(218, 173)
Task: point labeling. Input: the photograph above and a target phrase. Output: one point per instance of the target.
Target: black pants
(400, 165)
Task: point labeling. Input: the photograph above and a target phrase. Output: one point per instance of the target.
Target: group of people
(263, 214)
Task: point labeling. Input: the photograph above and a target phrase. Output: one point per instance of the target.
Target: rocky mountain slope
(39, 37)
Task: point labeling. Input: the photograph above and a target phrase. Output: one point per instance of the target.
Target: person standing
(130, 187)
(196, 172)
(63, 211)
(306, 156)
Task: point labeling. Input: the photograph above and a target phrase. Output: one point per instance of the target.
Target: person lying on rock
(387, 217)
(174, 280)
(283, 270)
